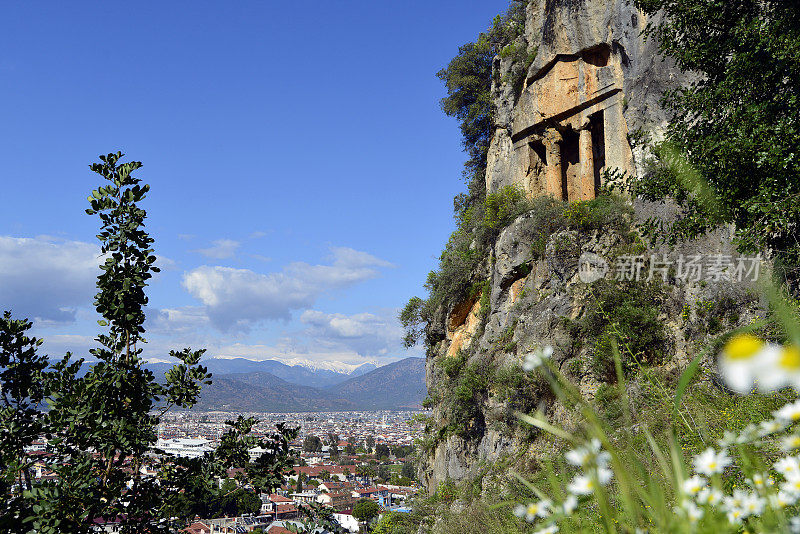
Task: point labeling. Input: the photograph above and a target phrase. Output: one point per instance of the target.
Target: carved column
(552, 143)
(585, 186)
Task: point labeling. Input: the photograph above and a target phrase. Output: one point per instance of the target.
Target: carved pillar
(552, 144)
(585, 185)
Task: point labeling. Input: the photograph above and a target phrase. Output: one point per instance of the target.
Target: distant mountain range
(272, 386)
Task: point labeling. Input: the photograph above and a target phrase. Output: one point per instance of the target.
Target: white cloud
(47, 279)
(220, 249)
(176, 321)
(236, 298)
(367, 334)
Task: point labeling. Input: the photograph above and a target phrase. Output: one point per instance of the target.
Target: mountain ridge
(398, 385)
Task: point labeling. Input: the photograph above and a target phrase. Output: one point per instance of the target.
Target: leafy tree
(299, 487)
(247, 502)
(101, 426)
(738, 123)
(22, 374)
(468, 81)
(370, 442)
(365, 471)
(394, 522)
(366, 510)
(382, 450)
(324, 475)
(407, 470)
(333, 444)
(316, 516)
(383, 473)
(312, 444)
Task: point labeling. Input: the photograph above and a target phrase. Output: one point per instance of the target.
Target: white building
(185, 447)
(347, 521)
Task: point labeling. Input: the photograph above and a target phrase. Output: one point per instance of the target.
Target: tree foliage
(739, 122)
(366, 510)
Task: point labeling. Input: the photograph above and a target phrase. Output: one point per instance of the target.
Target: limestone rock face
(595, 79)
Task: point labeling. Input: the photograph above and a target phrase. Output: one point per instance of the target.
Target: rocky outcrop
(594, 81)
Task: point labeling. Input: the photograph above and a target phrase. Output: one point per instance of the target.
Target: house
(305, 496)
(346, 519)
(313, 471)
(337, 500)
(379, 494)
(197, 527)
(285, 511)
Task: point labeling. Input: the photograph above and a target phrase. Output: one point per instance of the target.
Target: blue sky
(302, 172)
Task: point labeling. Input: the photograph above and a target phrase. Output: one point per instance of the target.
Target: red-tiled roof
(197, 528)
(315, 470)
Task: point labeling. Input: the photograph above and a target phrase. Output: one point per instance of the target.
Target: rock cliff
(590, 91)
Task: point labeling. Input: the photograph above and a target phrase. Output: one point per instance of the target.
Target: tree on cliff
(468, 80)
(101, 426)
(739, 123)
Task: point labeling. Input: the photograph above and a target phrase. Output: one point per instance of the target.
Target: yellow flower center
(743, 347)
(790, 358)
(712, 465)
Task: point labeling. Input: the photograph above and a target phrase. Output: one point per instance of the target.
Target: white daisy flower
(552, 529)
(782, 499)
(792, 484)
(736, 506)
(692, 486)
(790, 443)
(709, 462)
(794, 525)
(581, 485)
(709, 496)
(519, 510)
(760, 481)
(740, 361)
(604, 475)
(780, 367)
(537, 509)
(693, 512)
(578, 457)
(537, 358)
(588, 455)
(735, 516)
(753, 505)
(788, 466)
(789, 413)
(770, 427)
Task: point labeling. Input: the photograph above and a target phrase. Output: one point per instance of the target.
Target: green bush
(606, 212)
(624, 314)
(504, 206)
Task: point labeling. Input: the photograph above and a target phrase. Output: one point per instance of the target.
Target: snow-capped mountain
(336, 367)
